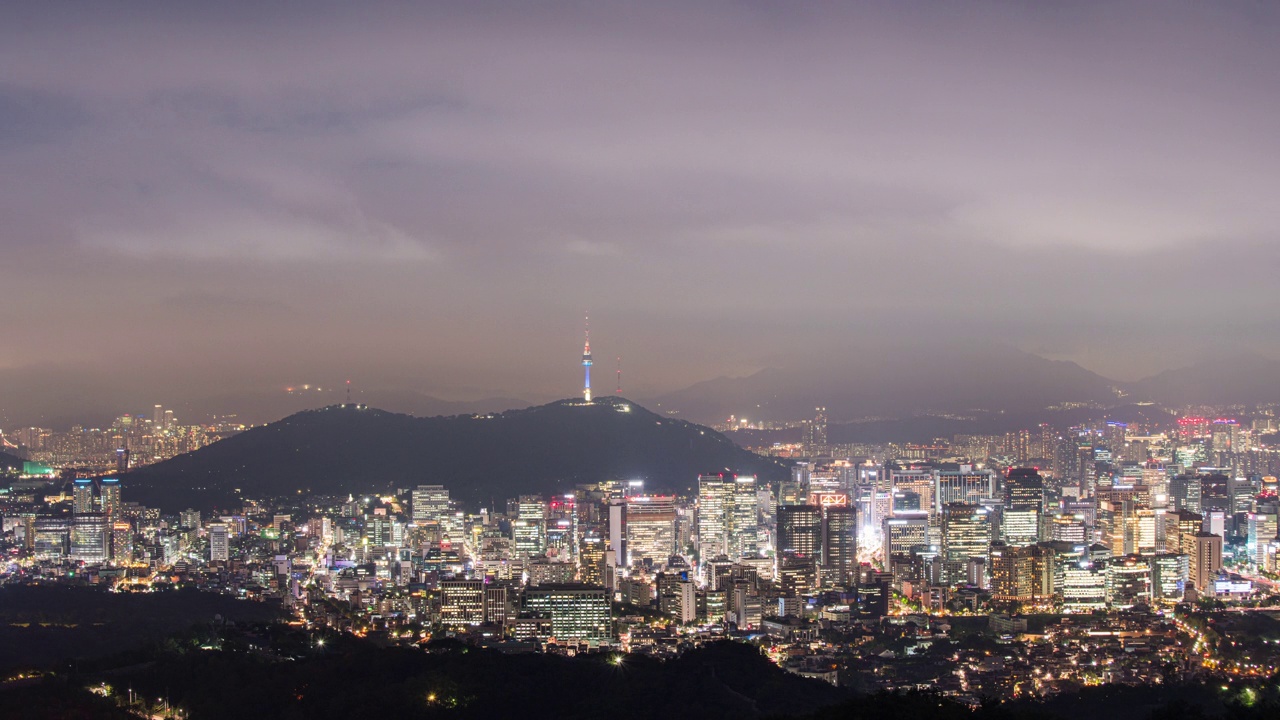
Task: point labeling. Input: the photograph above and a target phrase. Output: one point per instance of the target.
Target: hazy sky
(217, 195)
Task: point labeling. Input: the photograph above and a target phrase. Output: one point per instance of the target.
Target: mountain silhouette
(482, 459)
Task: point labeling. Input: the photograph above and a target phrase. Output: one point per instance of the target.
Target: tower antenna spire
(586, 360)
(618, 389)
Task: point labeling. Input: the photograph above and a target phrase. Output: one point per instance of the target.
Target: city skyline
(282, 205)
(951, 345)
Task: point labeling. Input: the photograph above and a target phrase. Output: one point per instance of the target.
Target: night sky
(217, 196)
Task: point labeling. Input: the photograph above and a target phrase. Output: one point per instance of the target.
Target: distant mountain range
(1233, 379)
(483, 460)
(903, 383)
(925, 427)
(896, 383)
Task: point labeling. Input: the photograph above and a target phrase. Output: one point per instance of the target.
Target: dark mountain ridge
(905, 383)
(482, 459)
(1245, 379)
(896, 383)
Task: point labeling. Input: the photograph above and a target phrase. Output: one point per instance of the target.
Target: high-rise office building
(1128, 581)
(1205, 561)
(529, 529)
(1261, 525)
(964, 484)
(109, 489)
(51, 538)
(1023, 506)
(1084, 587)
(1013, 572)
(677, 597)
(1184, 492)
(744, 537)
(90, 538)
(839, 545)
(715, 499)
(219, 543)
(189, 519)
(496, 604)
(577, 612)
(377, 532)
(906, 531)
(82, 496)
(591, 557)
(1169, 575)
(1068, 528)
(1181, 528)
(727, 516)
(121, 542)
(966, 535)
(800, 531)
(651, 529)
(462, 602)
(430, 504)
(919, 481)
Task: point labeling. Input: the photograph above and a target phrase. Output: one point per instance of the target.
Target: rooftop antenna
(618, 390)
(348, 392)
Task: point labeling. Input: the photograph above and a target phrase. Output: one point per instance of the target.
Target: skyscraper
(90, 537)
(1206, 561)
(110, 492)
(529, 530)
(1012, 576)
(839, 545)
(82, 496)
(591, 554)
(966, 535)
(744, 533)
(800, 531)
(1023, 506)
(715, 498)
(219, 543)
(677, 597)
(906, 531)
(430, 504)
(727, 523)
(122, 542)
(651, 529)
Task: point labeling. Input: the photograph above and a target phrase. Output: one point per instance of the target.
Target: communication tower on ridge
(586, 362)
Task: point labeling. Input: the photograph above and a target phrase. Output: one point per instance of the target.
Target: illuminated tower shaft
(586, 366)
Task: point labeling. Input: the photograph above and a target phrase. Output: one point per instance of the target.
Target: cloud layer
(198, 195)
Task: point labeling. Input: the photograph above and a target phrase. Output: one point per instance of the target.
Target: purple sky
(201, 196)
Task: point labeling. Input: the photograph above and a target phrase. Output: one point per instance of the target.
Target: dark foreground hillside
(41, 626)
(284, 674)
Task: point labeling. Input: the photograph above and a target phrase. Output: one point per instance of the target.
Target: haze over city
(206, 199)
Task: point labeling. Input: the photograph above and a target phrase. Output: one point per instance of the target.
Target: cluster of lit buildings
(130, 441)
(820, 567)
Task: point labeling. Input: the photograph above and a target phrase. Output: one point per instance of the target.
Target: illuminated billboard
(829, 499)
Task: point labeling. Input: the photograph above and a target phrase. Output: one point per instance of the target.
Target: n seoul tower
(586, 362)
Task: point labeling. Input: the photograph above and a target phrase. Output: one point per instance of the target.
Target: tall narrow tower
(586, 363)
